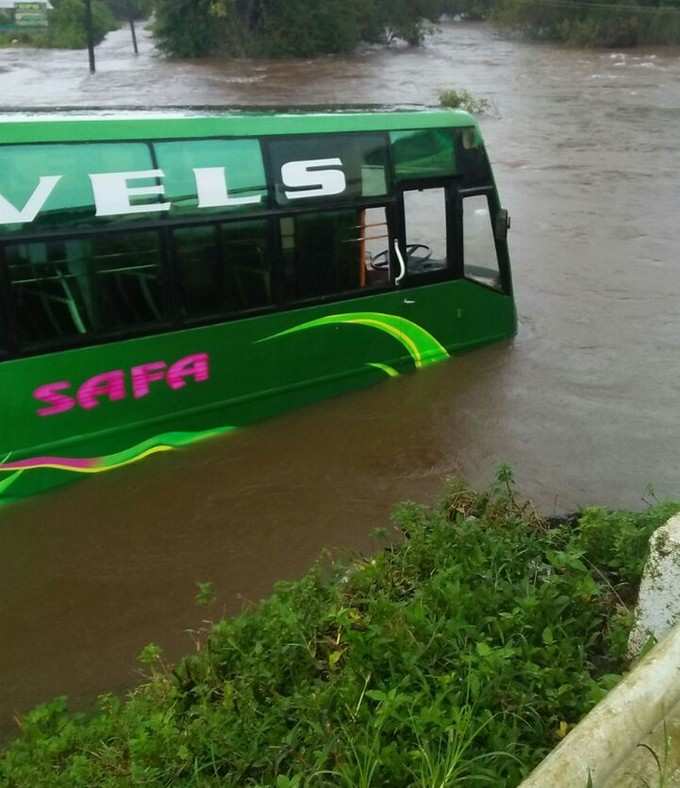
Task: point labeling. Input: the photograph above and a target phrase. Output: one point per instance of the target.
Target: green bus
(167, 278)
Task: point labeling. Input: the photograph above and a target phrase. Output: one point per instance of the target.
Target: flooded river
(585, 403)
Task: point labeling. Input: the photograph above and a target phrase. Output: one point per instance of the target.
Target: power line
(636, 9)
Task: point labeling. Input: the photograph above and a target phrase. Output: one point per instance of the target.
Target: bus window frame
(182, 322)
(454, 226)
(288, 304)
(331, 201)
(7, 319)
(8, 301)
(271, 213)
(501, 246)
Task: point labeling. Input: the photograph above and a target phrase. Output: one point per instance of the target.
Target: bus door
(447, 232)
(427, 240)
(484, 231)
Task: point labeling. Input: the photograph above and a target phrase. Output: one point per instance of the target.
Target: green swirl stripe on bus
(5, 484)
(168, 441)
(386, 368)
(423, 348)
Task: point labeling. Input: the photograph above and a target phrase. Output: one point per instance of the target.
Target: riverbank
(468, 647)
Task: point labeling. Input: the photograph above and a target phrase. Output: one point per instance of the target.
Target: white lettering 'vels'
(11, 215)
(213, 191)
(321, 177)
(112, 194)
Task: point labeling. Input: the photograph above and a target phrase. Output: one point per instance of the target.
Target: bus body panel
(253, 374)
(76, 411)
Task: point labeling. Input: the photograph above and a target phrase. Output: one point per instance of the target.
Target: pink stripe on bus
(36, 462)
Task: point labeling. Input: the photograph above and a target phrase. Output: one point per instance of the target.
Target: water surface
(584, 403)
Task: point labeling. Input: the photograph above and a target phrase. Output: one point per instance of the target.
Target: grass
(461, 654)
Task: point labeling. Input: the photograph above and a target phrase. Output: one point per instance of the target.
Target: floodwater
(585, 403)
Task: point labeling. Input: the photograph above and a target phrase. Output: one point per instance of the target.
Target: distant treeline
(299, 28)
(304, 28)
(614, 23)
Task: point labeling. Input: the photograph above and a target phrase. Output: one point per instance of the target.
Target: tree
(67, 23)
(285, 28)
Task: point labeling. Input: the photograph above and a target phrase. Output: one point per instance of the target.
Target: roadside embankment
(466, 649)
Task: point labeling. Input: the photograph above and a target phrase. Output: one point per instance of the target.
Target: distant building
(8, 5)
(18, 14)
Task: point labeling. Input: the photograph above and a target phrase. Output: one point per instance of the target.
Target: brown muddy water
(585, 403)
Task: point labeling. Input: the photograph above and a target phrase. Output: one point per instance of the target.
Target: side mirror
(502, 225)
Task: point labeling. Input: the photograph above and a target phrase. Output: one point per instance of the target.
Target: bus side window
(479, 248)
(223, 269)
(128, 280)
(64, 291)
(426, 230)
(50, 290)
(5, 342)
(335, 252)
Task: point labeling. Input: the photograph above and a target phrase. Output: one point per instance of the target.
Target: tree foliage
(285, 28)
(67, 28)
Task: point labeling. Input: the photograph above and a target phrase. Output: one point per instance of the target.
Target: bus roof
(100, 125)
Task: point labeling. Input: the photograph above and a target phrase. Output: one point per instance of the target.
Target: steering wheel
(381, 260)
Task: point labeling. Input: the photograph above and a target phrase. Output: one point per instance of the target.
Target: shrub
(287, 28)
(463, 99)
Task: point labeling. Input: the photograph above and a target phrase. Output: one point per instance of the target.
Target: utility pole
(131, 17)
(90, 35)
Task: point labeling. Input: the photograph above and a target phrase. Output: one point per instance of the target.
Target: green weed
(463, 99)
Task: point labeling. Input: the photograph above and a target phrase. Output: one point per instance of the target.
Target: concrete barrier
(605, 739)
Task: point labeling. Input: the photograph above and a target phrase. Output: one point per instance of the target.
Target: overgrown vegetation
(463, 99)
(466, 650)
(283, 28)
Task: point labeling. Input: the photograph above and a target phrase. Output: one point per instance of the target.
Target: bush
(189, 28)
(287, 28)
(466, 650)
(463, 99)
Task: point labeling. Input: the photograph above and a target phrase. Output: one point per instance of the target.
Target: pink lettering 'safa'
(196, 366)
(112, 386)
(109, 385)
(58, 403)
(144, 375)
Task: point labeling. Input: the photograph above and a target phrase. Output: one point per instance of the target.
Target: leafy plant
(463, 99)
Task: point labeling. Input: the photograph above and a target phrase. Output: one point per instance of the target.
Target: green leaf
(548, 637)
(334, 658)
(483, 649)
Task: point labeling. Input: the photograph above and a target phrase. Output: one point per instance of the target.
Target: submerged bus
(164, 279)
